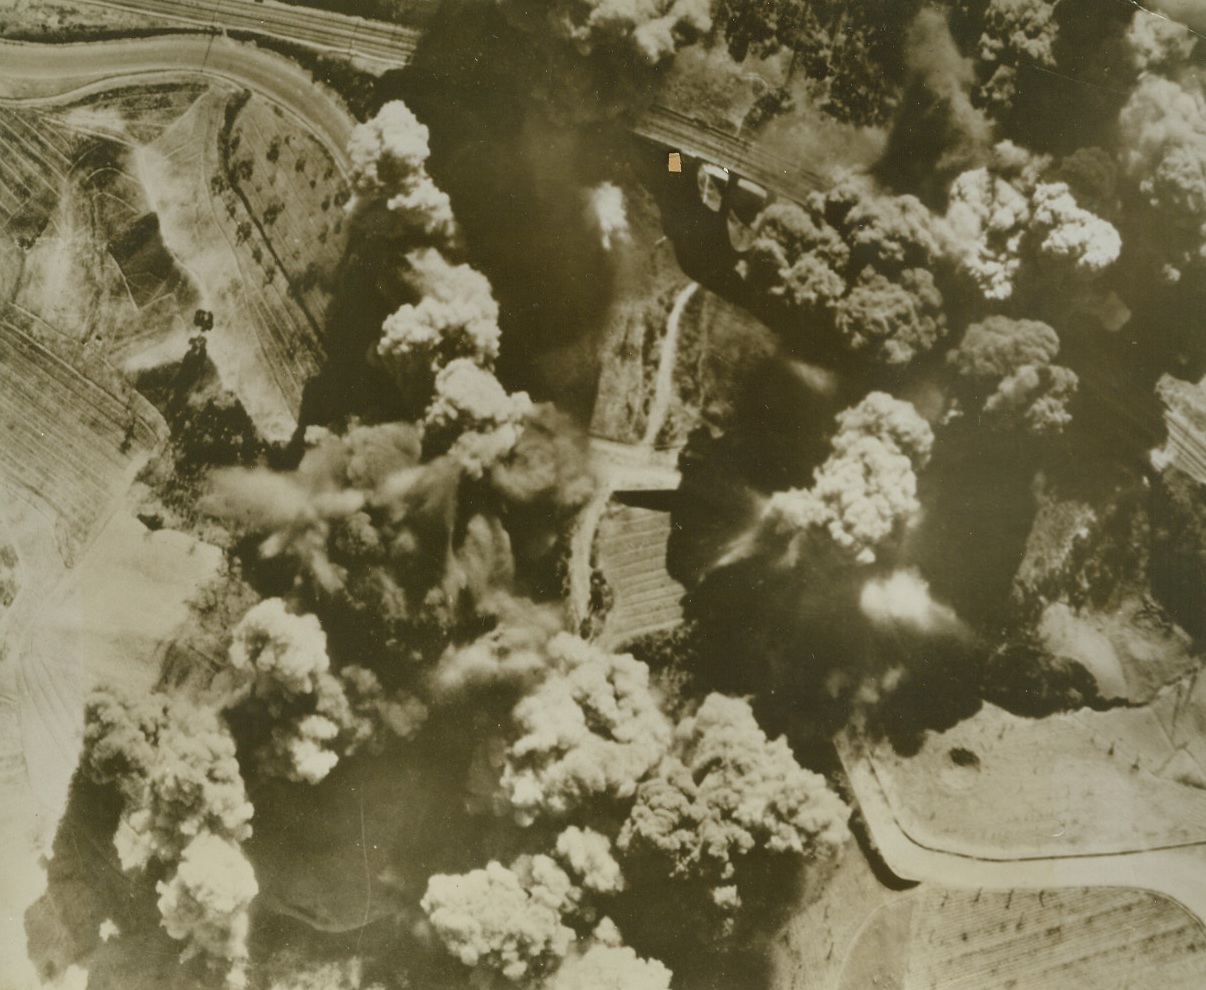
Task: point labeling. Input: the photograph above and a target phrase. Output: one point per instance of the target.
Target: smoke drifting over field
(404, 762)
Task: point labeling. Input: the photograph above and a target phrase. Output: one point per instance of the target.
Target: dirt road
(32, 73)
(1179, 873)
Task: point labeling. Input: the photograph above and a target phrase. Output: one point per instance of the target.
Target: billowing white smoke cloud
(1016, 31)
(867, 488)
(389, 159)
(474, 416)
(512, 920)
(608, 213)
(205, 904)
(654, 28)
(503, 919)
(987, 219)
(1000, 215)
(609, 967)
(317, 716)
(175, 767)
(456, 317)
(1163, 128)
(1069, 232)
(586, 854)
(724, 791)
(1158, 43)
(593, 728)
(283, 652)
(903, 599)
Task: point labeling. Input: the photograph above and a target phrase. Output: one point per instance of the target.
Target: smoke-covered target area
(916, 444)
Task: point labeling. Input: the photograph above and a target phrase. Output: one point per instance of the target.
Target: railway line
(380, 45)
(384, 45)
(697, 138)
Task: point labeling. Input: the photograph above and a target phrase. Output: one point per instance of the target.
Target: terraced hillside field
(32, 170)
(118, 245)
(67, 445)
(632, 559)
(1099, 938)
(293, 193)
(857, 934)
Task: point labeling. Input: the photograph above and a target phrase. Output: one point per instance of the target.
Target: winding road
(51, 74)
(663, 388)
(1179, 873)
(32, 74)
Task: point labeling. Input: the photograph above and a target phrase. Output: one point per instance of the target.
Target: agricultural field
(263, 343)
(815, 949)
(631, 561)
(998, 786)
(32, 174)
(71, 446)
(1107, 939)
(1185, 417)
(293, 193)
(1104, 938)
(116, 239)
(856, 933)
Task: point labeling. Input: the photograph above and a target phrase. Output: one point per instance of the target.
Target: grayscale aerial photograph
(602, 495)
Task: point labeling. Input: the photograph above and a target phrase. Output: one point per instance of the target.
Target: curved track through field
(41, 74)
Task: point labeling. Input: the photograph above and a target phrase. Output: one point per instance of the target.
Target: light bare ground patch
(998, 786)
(826, 937)
(1132, 650)
(88, 261)
(880, 956)
(60, 281)
(106, 621)
(133, 115)
(261, 342)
